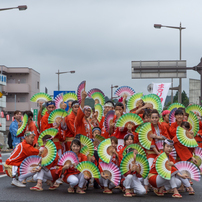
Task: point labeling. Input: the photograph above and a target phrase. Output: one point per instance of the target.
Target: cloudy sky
(98, 39)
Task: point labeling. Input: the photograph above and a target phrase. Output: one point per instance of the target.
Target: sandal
(128, 194)
(191, 192)
(177, 196)
(70, 190)
(36, 189)
(52, 187)
(31, 181)
(107, 191)
(158, 193)
(80, 191)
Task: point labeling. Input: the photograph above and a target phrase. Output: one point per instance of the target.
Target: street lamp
(112, 90)
(180, 28)
(21, 8)
(71, 72)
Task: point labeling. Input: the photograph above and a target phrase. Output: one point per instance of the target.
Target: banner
(161, 89)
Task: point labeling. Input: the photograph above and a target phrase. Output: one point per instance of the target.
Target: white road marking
(3, 176)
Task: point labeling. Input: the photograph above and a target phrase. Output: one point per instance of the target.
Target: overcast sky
(98, 39)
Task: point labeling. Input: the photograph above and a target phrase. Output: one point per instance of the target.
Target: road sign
(158, 69)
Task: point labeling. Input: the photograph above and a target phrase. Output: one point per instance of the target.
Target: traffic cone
(1, 165)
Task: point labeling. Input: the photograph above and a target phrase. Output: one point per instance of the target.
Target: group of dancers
(137, 151)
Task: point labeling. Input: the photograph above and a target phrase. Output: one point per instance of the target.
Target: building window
(37, 84)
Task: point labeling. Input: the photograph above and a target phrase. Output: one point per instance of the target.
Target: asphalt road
(15, 194)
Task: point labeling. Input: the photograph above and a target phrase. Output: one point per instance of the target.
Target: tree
(185, 99)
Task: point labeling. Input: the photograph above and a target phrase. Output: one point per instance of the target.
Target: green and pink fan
(175, 105)
(134, 101)
(186, 167)
(68, 157)
(194, 122)
(88, 169)
(172, 115)
(98, 98)
(44, 111)
(50, 133)
(69, 97)
(29, 164)
(112, 172)
(174, 153)
(85, 151)
(80, 89)
(144, 135)
(198, 153)
(41, 97)
(124, 90)
(56, 116)
(94, 90)
(162, 167)
(109, 119)
(136, 147)
(185, 138)
(195, 109)
(23, 126)
(99, 111)
(141, 161)
(85, 141)
(59, 100)
(49, 153)
(104, 150)
(154, 100)
(131, 118)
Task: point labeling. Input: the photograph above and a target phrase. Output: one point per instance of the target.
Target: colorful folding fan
(144, 135)
(48, 132)
(69, 97)
(134, 100)
(49, 153)
(186, 167)
(56, 116)
(29, 163)
(112, 172)
(99, 110)
(68, 157)
(134, 119)
(194, 108)
(175, 105)
(98, 98)
(89, 169)
(104, 149)
(109, 119)
(124, 90)
(162, 166)
(185, 138)
(95, 90)
(154, 100)
(40, 97)
(23, 126)
(193, 120)
(80, 89)
(141, 161)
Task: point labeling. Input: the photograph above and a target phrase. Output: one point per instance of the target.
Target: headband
(28, 133)
(108, 104)
(128, 135)
(50, 103)
(75, 104)
(165, 112)
(169, 142)
(87, 107)
(96, 128)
